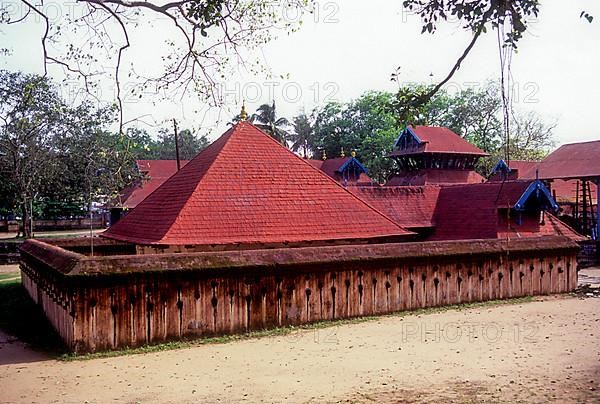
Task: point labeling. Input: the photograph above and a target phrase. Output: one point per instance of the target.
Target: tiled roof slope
(411, 207)
(155, 172)
(577, 160)
(471, 212)
(566, 191)
(247, 188)
(436, 139)
(525, 168)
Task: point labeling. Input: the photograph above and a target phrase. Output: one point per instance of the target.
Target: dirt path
(535, 352)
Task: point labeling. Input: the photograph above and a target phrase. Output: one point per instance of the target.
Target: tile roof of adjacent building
(154, 173)
(247, 188)
(576, 160)
(471, 212)
(525, 168)
(411, 207)
(435, 139)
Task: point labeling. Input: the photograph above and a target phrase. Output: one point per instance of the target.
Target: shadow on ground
(25, 334)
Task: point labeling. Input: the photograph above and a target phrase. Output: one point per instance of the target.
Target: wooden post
(597, 209)
(176, 145)
(585, 228)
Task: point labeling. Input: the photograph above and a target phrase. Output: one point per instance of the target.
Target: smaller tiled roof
(471, 211)
(155, 173)
(435, 139)
(576, 160)
(410, 207)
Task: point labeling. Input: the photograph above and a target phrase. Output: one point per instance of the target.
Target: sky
(347, 48)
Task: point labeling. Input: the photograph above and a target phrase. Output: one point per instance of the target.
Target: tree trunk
(25, 219)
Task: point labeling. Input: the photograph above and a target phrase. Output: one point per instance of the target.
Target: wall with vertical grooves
(95, 311)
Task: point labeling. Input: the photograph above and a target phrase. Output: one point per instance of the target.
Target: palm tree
(302, 137)
(266, 119)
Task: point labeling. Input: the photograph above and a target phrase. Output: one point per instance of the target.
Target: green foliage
(302, 137)
(371, 124)
(189, 145)
(266, 119)
(477, 14)
(366, 125)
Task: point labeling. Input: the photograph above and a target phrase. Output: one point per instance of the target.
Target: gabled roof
(577, 160)
(246, 188)
(154, 173)
(471, 211)
(410, 207)
(434, 139)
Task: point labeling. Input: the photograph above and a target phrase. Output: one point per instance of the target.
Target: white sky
(350, 47)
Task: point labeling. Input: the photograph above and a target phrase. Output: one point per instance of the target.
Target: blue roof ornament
(538, 190)
(501, 166)
(407, 132)
(353, 162)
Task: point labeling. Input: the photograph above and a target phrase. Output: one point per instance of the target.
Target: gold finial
(353, 153)
(243, 113)
(324, 155)
(343, 154)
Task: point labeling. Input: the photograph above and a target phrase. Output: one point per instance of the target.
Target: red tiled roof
(577, 160)
(155, 172)
(440, 140)
(410, 207)
(247, 188)
(551, 226)
(434, 176)
(471, 211)
(566, 191)
(525, 169)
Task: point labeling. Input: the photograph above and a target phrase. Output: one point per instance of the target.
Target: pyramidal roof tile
(246, 188)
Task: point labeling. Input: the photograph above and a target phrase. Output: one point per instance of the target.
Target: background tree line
(57, 160)
(371, 123)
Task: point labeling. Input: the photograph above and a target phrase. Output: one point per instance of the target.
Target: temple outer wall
(92, 310)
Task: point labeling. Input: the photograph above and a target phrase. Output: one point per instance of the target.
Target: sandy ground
(547, 350)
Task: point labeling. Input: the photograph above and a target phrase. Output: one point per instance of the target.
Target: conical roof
(247, 188)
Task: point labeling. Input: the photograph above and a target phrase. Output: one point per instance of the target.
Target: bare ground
(543, 351)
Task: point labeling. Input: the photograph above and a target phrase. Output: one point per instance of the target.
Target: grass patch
(11, 276)
(22, 318)
(282, 331)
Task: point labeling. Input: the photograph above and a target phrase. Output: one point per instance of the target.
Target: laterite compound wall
(131, 306)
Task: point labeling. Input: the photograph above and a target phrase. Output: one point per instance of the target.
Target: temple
(248, 235)
(434, 155)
